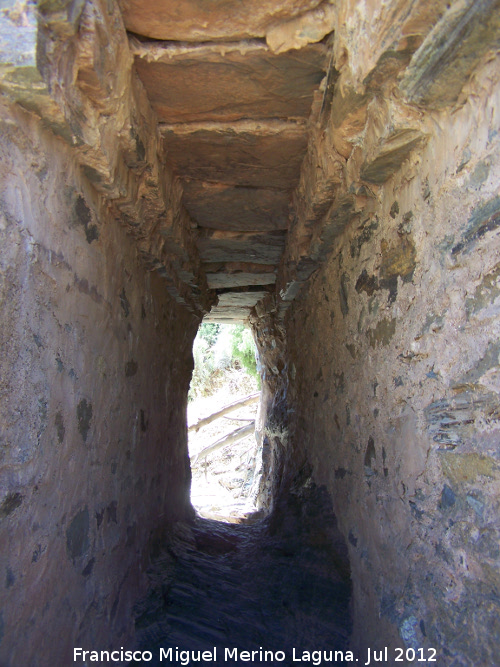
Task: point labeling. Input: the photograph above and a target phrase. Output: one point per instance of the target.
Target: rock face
(95, 366)
(329, 175)
(193, 21)
(386, 380)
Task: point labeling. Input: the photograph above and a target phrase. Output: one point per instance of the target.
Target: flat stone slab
(235, 306)
(240, 299)
(218, 206)
(191, 20)
(227, 316)
(230, 83)
(224, 280)
(245, 247)
(266, 154)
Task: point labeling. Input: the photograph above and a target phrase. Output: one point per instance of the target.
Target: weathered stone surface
(227, 315)
(348, 117)
(239, 279)
(388, 400)
(20, 79)
(307, 28)
(223, 275)
(453, 421)
(240, 298)
(394, 401)
(381, 28)
(219, 206)
(382, 333)
(241, 247)
(75, 313)
(257, 154)
(366, 283)
(278, 572)
(10, 503)
(485, 218)
(391, 155)
(230, 82)
(211, 150)
(82, 88)
(255, 140)
(446, 59)
(189, 20)
(469, 467)
(342, 212)
(398, 262)
(18, 34)
(235, 305)
(485, 299)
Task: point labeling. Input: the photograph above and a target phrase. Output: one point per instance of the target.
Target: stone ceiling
(233, 101)
(236, 141)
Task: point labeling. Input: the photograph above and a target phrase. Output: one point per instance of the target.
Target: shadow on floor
(273, 585)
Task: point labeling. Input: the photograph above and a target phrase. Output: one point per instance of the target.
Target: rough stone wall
(95, 366)
(271, 425)
(391, 377)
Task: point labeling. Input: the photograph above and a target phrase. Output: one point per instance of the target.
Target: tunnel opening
(222, 408)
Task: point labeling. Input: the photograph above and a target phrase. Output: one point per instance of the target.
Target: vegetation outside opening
(223, 452)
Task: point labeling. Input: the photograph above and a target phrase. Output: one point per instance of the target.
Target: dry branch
(234, 436)
(247, 400)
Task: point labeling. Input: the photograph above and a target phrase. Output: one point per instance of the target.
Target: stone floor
(270, 585)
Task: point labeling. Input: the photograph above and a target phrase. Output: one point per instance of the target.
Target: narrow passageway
(324, 173)
(247, 587)
(278, 586)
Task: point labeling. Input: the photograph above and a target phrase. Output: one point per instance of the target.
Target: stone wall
(94, 372)
(391, 378)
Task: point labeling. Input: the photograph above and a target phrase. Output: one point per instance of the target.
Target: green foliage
(243, 349)
(209, 332)
(217, 350)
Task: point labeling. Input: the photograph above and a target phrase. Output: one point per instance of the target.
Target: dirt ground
(222, 482)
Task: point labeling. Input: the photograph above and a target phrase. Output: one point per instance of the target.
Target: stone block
(257, 154)
(212, 83)
(241, 279)
(239, 247)
(390, 155)
(192, 21)
(218, 206)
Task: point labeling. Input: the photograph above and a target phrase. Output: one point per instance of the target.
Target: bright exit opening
(222, 447)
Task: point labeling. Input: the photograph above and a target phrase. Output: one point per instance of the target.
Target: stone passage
(281, 584)
(326, 171)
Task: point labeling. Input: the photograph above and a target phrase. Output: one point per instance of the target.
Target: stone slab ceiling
(215, 20)
(233, 118)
